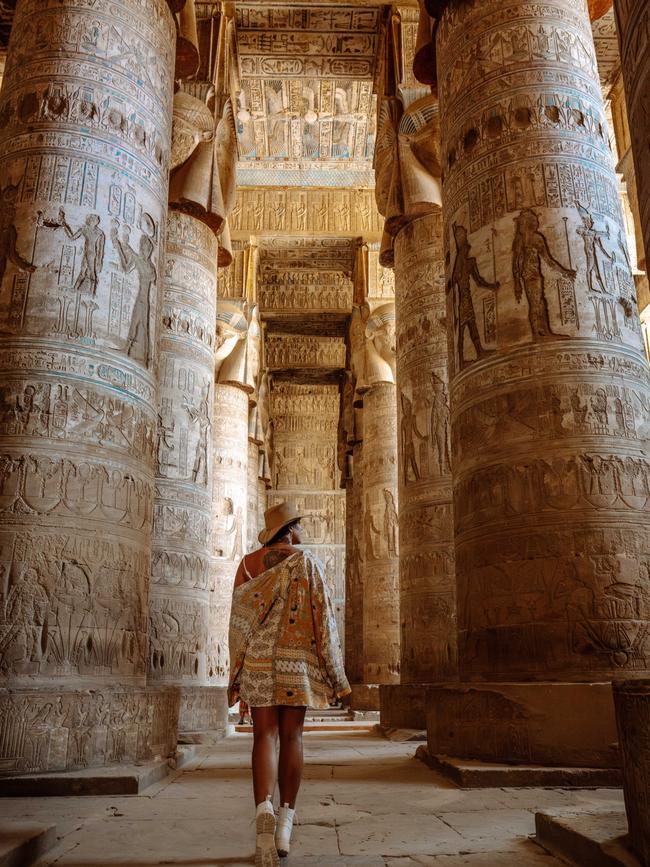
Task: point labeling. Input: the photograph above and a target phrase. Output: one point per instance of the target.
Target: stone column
(632, 700)
(633, 27)
(252, 517)
(179, 603)
(427, 577)
(230, 491)
(548, 387)
(354, 571)
(381, 629)
(84, 153)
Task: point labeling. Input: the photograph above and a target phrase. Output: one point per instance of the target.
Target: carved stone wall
(427, 576)
(181, 570)
(336, 212)
(84, 150)
(305, 422)
(381, 624)
(633, 26)
(549, 380)
(229, 515)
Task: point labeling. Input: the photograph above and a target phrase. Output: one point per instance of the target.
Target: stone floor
(365, 802)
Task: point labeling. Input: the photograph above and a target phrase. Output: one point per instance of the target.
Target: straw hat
(276, 518)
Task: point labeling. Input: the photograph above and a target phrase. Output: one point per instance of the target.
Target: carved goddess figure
(529, 249)
(92, 257)
(465, 270)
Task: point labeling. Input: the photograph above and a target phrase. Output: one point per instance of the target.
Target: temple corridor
(379, 264)
(365, 802)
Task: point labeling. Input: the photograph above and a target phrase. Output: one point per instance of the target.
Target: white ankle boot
(283, 830)
(266, 855)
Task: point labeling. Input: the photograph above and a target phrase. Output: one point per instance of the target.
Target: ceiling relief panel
(306, 112)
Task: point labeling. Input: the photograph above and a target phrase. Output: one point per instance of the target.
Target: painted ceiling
(306, 112)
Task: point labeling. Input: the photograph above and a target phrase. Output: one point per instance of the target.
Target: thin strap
(249, 577)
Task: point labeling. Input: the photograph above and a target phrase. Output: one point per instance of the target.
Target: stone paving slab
(365, 802)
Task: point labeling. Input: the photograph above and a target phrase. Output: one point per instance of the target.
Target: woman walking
(285, 656)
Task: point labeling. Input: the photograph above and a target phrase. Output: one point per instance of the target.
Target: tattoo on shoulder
(272, 558)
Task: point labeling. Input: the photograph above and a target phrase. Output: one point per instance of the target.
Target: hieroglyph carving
(548, 371)
(298, 351)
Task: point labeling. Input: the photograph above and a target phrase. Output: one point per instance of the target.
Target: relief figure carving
(529, 249)
(138, 342)
(465, 270)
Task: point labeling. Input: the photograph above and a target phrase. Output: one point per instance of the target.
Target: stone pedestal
(633, 30)
(381, 630)
(549, 377)
(632, 702)
(426, 550)
(230, 489)
(179, 602)
(565, 724)
(84, 152)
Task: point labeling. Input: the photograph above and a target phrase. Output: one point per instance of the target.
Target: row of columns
(121, 527)
(529, 583)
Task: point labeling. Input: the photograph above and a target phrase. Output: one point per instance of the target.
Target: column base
(550, 724)
(365, 696)
(598, 838)
(116, 780)
(405, 705)
(58, 729)
(204, 714)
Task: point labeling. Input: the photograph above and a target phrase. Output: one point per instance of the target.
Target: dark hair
(283, 531)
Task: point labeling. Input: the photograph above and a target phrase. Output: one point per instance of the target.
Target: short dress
(256, 680)
(283, 640)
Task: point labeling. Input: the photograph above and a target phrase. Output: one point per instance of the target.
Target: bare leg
(291, 756)
(265, 755)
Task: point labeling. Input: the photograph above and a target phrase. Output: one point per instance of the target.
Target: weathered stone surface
(548, 369)
(22, 843)
(568, 724)
(427, 578)
(597, 838)
(381, 632)
(405, 705)
(633, 29)
(179, 602)
(632, 702)
(355, 566)
(61, 730)
(229, 495)
(84, 156)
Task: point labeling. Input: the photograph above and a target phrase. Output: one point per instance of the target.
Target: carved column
(84, 152)
(427, 577)
(632, 700)
(252, 518)
(633, 27)
(549, 385)
(381, 630)
(181, 587)
(354, 571)
(230, 492)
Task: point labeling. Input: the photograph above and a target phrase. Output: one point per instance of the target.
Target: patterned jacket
(306, 664)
